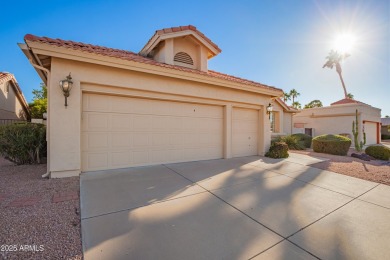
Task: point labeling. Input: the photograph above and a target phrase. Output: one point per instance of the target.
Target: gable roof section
(347, 101)
(4, 77)
(173, 32)
(286, 107)
(131, 56)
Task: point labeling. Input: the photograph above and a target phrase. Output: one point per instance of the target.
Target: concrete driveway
(241, 208)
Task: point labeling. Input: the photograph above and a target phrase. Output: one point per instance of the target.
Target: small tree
(314, 103)
(286, 97)
(350, 96)
(39, 104)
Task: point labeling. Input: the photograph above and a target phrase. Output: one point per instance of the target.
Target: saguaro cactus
(355, 132)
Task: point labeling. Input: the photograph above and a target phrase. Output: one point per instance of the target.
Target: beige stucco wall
(10, 106)
(338, 119)
(64, 139)
(283, 120)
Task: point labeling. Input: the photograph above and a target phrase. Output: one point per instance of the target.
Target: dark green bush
(331, 144)
(385, 137)
(292, 142)
(378, 152)
(306, 139)
(23, 143)
(278, 150)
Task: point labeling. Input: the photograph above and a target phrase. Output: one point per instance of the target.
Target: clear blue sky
(275, 42)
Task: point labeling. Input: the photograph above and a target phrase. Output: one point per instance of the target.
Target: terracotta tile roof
(184, 28)
(346, 101)
(131, 56)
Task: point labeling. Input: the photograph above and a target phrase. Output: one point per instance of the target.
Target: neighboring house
(161, 105)
(13, 105)
(337, 119)
(281, 118)
(385, 129)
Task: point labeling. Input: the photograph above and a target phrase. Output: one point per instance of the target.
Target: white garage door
(371, 132)
(244, 132)
(120, 132)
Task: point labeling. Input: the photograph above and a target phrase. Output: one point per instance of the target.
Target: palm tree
(296, 105)
(334, 59)
(293, 94)
(286, 97)
(350, 95)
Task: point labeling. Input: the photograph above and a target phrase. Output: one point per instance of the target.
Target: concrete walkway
(240, 208)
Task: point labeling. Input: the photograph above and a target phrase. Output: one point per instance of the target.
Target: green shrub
(278, 150)
(306, 139)
(331, 144)
(291, 141)
(385, 137)
(378, 152)
(23, 143)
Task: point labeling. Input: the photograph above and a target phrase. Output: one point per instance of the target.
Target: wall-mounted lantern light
(269, 110)
(66, 85)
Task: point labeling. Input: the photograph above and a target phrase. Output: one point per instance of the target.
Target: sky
(274, 42)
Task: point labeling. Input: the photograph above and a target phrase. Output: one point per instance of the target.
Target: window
(183, 57)
(272, 121)
(275, 121)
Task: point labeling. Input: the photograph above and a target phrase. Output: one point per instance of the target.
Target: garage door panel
(244, 132)
(121, 122)
(135, 132)
(120, 140)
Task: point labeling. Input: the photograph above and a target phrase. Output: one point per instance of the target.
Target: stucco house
(337, 119)
(160, 105)
(13, 105)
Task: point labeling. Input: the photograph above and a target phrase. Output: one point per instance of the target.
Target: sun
(344, 43)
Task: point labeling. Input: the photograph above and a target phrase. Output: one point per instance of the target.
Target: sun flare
(344, 43)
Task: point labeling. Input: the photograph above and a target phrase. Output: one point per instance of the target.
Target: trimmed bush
(378, 152)
(23, 143)
(385, 137)
(331, 144)
(306, 139)
(278, 150)
(291, 141)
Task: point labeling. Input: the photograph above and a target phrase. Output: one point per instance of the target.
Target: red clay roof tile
(131, 56)
(346, 101)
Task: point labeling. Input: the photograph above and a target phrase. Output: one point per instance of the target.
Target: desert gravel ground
(51, 229)
(374, 170)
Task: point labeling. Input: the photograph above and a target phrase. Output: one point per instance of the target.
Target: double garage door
(120, 132)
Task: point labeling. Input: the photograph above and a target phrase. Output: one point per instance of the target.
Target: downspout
(46, 175)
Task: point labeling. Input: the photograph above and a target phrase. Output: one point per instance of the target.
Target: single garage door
(371, 132)
(245, 132)
(120, 132)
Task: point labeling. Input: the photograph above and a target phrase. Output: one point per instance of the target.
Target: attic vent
(183, 58)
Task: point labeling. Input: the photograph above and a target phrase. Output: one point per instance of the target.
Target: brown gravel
(373, 170)
(54, 226)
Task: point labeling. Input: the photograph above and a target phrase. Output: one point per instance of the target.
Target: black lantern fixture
(269, 110)
(66, 85)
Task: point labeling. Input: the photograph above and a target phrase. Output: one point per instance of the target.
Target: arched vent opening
(183, 58)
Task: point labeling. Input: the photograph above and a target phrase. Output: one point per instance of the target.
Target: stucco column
(227, 125)
(264, 132)
(64, 123)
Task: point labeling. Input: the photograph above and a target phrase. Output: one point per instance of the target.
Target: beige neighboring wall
(11, 106)
(338, 119)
